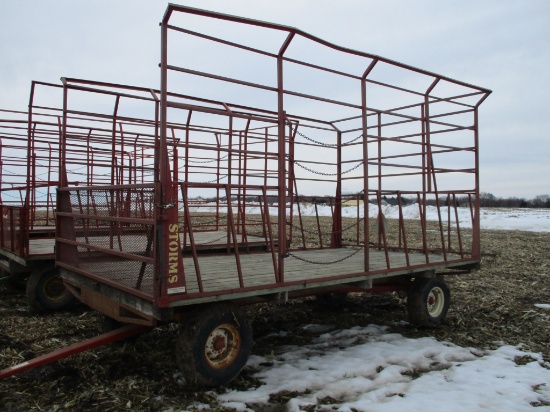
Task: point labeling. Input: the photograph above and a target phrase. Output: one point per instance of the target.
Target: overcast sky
(502, 45)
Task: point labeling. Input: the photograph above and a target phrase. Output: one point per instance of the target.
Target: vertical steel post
(476, 239)
(291, 177)
(336, 238)
(64, 227)
(228, 192)
(379, 128)
(30, 150)
(366, 234)
(281, 168)
(169, 260)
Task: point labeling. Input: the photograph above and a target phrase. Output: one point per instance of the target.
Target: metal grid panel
(113, 235)
(13, 230)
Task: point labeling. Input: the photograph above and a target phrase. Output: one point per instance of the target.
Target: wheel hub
(55, 290)
(435, 302)
(222, 346)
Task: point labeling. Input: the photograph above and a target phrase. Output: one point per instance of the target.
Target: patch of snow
(532, 220)
(369, 369)
(542, 306)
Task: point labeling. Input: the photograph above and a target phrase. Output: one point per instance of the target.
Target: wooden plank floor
(136, 243)
(220, 272)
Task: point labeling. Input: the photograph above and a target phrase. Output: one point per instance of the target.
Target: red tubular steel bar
(455, 206)
(402, 229)
(188, 223)
(292, 192)
(110, 337)
(173, 7)
(319, 231)
(233, 233)
(267, 152)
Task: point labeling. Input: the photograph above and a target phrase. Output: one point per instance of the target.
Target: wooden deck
(220, 272)
(44, 248)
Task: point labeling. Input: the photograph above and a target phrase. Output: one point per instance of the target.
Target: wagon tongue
(104, 339)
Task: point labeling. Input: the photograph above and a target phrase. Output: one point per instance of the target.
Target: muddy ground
(492, 306)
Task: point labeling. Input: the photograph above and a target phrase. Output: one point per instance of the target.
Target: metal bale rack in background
(29, 156)
(209, 211)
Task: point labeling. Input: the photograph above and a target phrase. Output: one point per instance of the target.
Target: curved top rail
(292, 30)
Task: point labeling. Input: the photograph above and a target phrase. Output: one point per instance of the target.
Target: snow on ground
(531, 220)
(370, 369)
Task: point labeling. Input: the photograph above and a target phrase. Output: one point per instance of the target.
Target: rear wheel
(428, 302)
(214, 345)
(46, 292)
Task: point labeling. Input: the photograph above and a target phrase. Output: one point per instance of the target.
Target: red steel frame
(28, 152)
(29, 156)
(409, 134)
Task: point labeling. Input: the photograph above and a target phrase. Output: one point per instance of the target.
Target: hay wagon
(29, 158)
(30, 175)
(245, 153)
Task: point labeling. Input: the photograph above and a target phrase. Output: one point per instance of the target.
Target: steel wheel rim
(222, 346)
(435, 302)
(54, 289)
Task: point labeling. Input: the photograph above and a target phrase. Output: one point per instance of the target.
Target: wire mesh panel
(248, 187)
(111, 237)
(13, 230)
(350, 130)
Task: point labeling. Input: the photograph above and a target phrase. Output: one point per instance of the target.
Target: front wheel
(428, 301)
(46, 292)
(214, 345)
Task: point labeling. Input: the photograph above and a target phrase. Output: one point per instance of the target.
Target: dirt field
(489, 307)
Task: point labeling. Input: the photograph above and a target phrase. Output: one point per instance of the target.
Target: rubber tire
(44, 293)
(421, 311)
(192, 343)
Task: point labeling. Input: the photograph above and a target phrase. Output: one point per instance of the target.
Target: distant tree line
(487, 200)
(538, 202)
(490, 200)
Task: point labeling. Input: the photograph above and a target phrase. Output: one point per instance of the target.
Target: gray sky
(502, 45)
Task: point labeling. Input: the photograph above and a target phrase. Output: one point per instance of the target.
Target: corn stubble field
(489, 307)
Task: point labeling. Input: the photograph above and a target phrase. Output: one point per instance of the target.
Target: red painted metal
(109, 337)
(145, 174)
(207, 161)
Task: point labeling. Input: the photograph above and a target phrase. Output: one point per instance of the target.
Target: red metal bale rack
(237, 162)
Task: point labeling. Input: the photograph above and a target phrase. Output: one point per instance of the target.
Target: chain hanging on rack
(325, 263)
(207, 161)
(328, 174)
(329, 144)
